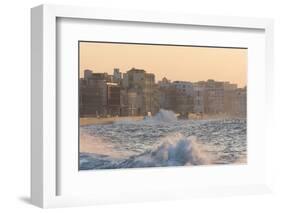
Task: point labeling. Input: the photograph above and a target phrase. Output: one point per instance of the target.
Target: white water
(162, 140)
(163, 116)
(173, 150)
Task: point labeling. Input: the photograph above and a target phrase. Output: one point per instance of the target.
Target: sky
(184, 63)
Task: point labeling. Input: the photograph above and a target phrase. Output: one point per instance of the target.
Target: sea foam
(162, 116)
(172, 150)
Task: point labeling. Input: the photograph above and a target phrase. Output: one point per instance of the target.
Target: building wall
(113, 99)
(135, 102)
(177, 96)
(98, 96)
(199, 99)
(93, 98)
(117, 76)
(124, 102)
(214, 97)
(240, 103)
(144, 83)
(138, 94)
(167, 98)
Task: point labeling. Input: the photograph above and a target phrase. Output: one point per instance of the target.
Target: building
(143, 84)
(167, 95)
(229, 98)
(98, 96)
(117, 76)
(135, 93)
(113, 99)
(164, 83)
(240, 102)
(177, 96)
(102, 76)
(199, 94)
(213, 97)
(88, 74)
(135, 102)
(92, 97)
(184, 97)
(124, 102)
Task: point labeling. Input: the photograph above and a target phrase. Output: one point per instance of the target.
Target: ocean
(161, 141)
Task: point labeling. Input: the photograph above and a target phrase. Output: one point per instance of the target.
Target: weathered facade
(142, 84)
(184, 97)
(177, 96)
(135, 93)
(229, 98)
(240, 103)
(98, 97)
(92, 97)
(113, 99)
(214, 97)
(199, 92)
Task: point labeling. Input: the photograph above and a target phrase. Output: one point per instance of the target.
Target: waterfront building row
(136, 93)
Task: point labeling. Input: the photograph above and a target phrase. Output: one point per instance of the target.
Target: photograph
(144, 105)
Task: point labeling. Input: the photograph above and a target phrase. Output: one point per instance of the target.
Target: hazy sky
(173, 62)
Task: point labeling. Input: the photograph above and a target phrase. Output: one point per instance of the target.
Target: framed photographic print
(131, 120)
(130, 106)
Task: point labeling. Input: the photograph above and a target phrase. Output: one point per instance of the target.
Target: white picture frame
(45, 153)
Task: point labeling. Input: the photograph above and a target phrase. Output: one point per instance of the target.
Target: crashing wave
(162, 116)
(173, 150)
